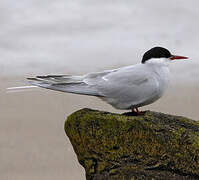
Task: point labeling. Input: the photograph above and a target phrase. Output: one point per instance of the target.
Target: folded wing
(85, 84)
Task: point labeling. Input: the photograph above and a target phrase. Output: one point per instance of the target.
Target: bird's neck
(160, 69)
(159, 62)
(159, 66)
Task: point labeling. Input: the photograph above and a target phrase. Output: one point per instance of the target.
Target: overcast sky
(79, 36)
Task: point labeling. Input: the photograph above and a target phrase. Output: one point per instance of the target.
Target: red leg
(138, 112)
(133, 110)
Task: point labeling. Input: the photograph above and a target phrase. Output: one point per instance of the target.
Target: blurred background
(77, 37)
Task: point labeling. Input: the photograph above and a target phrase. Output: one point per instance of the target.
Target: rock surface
(151, 146)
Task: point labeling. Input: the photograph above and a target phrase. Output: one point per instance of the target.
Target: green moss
(105, 142)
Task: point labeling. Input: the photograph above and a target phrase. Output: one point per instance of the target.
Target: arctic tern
(124, 88)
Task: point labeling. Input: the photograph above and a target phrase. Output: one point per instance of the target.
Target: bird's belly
(126, 101)
(147, 101)
(129, 99)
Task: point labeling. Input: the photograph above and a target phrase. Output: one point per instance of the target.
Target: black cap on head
(156, 52)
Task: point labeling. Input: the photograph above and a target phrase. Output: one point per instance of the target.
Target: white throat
(158, 61)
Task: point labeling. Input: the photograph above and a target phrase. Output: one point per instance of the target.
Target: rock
(151, 146)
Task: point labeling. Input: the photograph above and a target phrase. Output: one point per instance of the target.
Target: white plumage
(128, 87)
(124, 88)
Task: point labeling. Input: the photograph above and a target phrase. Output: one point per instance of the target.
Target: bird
(125, 88)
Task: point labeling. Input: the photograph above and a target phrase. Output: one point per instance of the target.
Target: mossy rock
(151, 146)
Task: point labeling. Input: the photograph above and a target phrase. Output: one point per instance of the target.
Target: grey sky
(83, 35)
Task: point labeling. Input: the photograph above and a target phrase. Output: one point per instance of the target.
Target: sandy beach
(33, 144)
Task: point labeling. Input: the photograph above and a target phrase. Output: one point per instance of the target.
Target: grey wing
(85, 84)
(130, 83)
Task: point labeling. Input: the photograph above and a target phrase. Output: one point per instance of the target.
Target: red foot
(139, 113)
(134, 112)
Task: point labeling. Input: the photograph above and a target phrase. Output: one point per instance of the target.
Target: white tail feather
(19, 89)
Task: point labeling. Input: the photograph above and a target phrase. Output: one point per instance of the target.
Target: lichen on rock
(114, 146)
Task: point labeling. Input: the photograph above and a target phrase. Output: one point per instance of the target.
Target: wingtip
(32, 79)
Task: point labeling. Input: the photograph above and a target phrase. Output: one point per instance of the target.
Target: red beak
(173, 57)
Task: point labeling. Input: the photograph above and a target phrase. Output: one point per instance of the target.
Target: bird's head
(158, 54)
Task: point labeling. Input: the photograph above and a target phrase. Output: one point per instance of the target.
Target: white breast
(161, 73)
